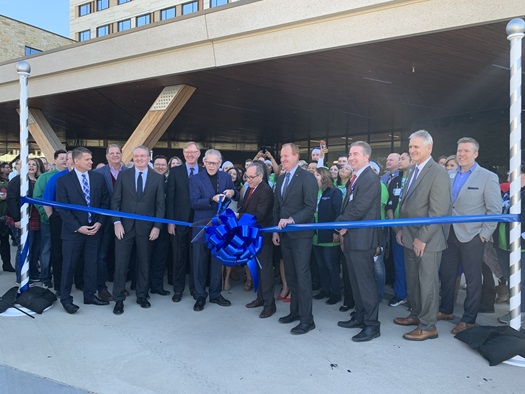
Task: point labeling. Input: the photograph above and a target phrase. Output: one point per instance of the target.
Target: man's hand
(86, 230)
(229, 193)
(171, 229)
(323, 153)
(217, 196)
(483, 239)
(276, 239)
(119, 230)
(154, 234)
(419, 247)
(399, 237)
(92, 230)
(17, 225)
(284, 222)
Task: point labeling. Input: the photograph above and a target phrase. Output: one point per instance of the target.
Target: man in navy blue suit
(81, 230)
(206, 189)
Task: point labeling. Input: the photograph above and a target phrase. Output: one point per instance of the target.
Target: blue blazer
(328, 210)
(107, 177)
(201, 191)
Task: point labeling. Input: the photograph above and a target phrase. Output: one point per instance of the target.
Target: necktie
(348, 191)
(249, 194)
(413, 180)
(286, 182)
(85, 189)
(139, 185)
(191, 171)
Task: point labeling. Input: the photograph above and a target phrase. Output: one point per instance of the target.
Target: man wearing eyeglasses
(207, 189)
(258, 201)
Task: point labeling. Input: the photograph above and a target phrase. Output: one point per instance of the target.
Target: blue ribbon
(236, 242)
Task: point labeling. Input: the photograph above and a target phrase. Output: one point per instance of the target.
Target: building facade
(98, 18)
(19, 39)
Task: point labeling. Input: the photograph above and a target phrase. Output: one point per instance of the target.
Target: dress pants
(203, 262)
(182, 259)
(123, 248)
(469, 255)
(328, 262)
(73, 250)
(159, 256)
(5, 247)
(45, 253)
(55, 223)
(265, 292)
(400, 282)
(106, 256)
(422, 274)
(348, 297)
(296, 256)
(361, 273)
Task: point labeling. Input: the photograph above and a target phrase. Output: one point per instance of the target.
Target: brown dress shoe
(267, 312)
(420, 335)
(445, 316)
(105, 295)
(462, 326)
(406, 321)
(255, 304)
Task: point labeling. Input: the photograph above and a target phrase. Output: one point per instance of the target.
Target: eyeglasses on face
(211, 163)
(251, 177)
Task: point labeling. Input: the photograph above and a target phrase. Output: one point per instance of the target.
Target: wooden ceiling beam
(158, 118)
(43, 133)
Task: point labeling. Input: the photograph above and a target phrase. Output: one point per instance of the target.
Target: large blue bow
(235, 242)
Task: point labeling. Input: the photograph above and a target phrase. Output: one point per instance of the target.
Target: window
(84, 35)
(102, 4)
(143, 20)
(31, 51)
(84, 9)
(216, 3)
(167, 13)
(188, 8)
(122, 1)
(102, 31)
(124, 25)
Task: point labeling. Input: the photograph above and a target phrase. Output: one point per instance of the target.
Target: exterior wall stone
(17, 35)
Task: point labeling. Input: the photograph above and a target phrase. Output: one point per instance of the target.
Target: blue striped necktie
(85, 189)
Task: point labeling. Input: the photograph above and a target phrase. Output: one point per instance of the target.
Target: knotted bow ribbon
(235, 242)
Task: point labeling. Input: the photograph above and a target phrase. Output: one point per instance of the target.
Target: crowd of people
(350, 266)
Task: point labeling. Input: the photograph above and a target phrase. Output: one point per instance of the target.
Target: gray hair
(469, 140)
(213, 152)
(113, 146)
(425, 135)
(367, 149)
(143, 148)
(259, 170)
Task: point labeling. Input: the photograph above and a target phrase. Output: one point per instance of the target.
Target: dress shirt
(459, 181)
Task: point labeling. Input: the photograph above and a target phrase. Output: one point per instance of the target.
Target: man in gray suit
(475, 191)
(139, 191)
(426, 194)
(294, 203)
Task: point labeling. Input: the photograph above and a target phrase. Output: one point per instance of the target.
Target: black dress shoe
(352, 323)
(176, 297)
(119, 308)
(302, 328)
(161, 292)
(367, 334)
(70, 308)
(194, 294)
(199, 305)
(255, 304)
(8, 268)
(321, 295)
(268, 311)
(333, 299)
(344, 308)
(143, 302)
(289, 319)
(220, 300)
(105, 295)
(96, 301)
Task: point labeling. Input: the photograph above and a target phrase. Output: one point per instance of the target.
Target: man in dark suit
(362, 202)
(294, 203)
(178, 207)
(207, 188)
(106, 256)
(258, 201)
(139, 191)
(81, 230)
(426, 194)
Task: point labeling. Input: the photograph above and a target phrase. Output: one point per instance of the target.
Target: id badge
(397, 192)
(351, 197)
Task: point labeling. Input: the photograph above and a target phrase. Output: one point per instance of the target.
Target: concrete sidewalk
(169, 348)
